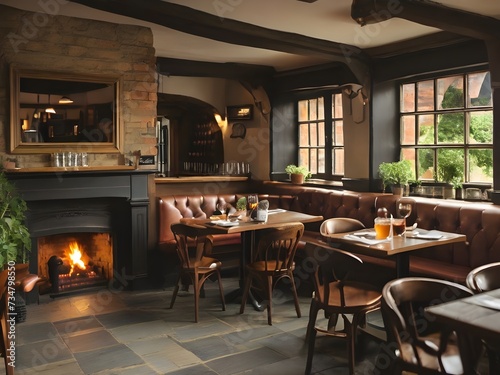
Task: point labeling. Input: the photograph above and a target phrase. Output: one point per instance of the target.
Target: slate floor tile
(109, 358)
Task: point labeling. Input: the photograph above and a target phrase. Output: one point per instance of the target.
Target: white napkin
(225, 223)
(425, 236)
(364, 240)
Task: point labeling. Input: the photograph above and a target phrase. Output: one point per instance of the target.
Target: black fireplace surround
(91, 201)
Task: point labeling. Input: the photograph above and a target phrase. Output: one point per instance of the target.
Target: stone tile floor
(134, 332)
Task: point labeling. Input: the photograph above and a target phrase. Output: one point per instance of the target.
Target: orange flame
(75, 255)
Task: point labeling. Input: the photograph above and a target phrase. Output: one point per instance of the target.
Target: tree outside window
(447, 127)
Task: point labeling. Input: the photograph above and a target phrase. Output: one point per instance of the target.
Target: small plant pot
(297, 178)
(398, 189)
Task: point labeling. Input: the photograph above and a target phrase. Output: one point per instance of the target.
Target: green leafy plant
(396, 173)
(294, 169)
(456, 182)
(241, 204)
(15, 241)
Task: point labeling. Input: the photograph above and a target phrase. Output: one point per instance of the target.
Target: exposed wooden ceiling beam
(427, 13)
(202, 24)
(255, 74)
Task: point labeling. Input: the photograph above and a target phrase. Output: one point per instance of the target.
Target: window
(321, 135)
(447, 127)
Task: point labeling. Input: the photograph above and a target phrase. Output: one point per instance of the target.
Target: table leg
(247, 242)
(402, 265)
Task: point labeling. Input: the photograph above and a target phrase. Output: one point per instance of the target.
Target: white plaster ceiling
(324, 19)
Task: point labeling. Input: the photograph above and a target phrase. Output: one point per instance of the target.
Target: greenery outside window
(447, 127)
(321, 135)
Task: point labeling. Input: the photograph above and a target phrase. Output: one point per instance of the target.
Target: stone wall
(47, 41)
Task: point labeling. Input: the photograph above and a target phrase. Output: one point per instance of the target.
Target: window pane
(303, 110)
(337, 104)
(304, 157)
(338, 133)
(338, 157)
(409, 154)
(426, 129)
(304, 135)
(450, 164)
(321, 108)
(451, 128)
(313, 166)
(425, 164)
(481, 127)
(321, 134)
(313, 109)
(408, 98)
(321, 161)
(408, 130)
(479, 93)
(481, 165)
(450, 92)
(425, 101)
(313, 134)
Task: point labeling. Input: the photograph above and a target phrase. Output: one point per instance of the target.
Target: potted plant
(15, 241)
(298, 174)
(396, 174)
(451, 173)
(456, 182)
(416, 187)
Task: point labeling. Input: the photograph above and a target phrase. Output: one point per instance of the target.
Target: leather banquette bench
(480, 222)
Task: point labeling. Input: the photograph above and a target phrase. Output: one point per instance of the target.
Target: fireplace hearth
(104, 212)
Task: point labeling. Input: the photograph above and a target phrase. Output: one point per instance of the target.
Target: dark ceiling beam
(427, 13)
(255, 74)
(194, 22)
(422, 43)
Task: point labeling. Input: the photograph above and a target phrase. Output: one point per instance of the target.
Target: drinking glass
(222, 207)
(252, 203)
(404, 209)
(383, 228)
(399, 225)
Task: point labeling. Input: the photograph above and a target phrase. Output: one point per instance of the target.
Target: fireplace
(74, 261)
(102, 214)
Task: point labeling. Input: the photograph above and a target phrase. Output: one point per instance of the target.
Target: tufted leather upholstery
(480, 222)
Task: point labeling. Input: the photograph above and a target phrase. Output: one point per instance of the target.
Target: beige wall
(46, 42)
(219, 93)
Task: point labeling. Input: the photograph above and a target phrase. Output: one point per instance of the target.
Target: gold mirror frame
(20, 127)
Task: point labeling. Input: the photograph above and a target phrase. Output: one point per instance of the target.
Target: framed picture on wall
(240, 112)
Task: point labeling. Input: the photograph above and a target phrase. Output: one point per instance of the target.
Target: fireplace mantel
(44, 188)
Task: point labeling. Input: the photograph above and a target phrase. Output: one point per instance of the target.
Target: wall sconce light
(65, 100)
(355, 94)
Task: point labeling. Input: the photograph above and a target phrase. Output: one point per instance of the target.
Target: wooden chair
(6, 341)
(482, 279)
(194, 246)
(338, 297)
(422, 346)
(339, 225)
(273, 260)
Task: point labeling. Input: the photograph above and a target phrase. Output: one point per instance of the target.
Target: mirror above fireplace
(57, 111)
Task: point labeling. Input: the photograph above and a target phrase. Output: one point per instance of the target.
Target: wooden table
(471, 316)
(276, 219)
(398, 247)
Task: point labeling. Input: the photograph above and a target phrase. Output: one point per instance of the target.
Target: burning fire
(75, 256)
